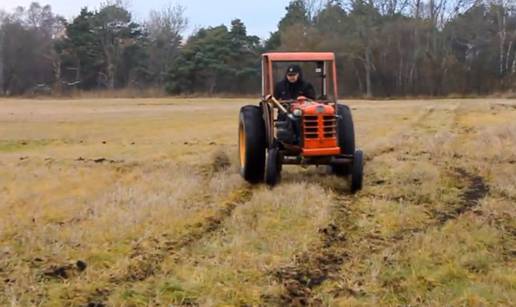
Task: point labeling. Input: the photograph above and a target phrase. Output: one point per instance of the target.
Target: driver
(293, 85)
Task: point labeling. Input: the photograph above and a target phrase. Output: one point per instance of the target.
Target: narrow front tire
(357, 171)
(273, 167)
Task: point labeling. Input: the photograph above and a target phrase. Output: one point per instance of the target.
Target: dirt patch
(378, 152)
(503, 106)
(99, 160)
(476, 190)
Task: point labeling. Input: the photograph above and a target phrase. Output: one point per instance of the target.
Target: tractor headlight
(297, 112)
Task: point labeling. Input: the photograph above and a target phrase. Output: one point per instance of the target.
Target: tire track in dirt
(469, 199)
(319, 263)
(73, 268)
(146, 261)
(147, 255)
(324, 261)
(472, 193)
(389, 148)
(476, 190)
(503, 106)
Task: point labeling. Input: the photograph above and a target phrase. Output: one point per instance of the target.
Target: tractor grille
(311, 127)
(330, 126)
(319, 126)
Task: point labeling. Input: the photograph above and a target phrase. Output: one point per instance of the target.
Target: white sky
(260, 17)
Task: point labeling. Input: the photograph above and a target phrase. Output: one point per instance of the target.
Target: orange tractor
(300, 131)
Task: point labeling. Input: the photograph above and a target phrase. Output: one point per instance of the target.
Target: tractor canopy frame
(327, 58)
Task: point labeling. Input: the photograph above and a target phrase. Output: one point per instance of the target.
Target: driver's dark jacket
(284, 90)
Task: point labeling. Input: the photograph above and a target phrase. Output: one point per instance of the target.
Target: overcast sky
(260, 17)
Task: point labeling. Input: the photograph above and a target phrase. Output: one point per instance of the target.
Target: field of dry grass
(139, 202)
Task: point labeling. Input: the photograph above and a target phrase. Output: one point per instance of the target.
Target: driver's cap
(293, 69)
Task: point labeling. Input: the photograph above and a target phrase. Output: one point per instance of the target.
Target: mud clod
(220, 162)
(104, 160)
(81, 265)
(64, 271)
(99, 160)
(61, 272)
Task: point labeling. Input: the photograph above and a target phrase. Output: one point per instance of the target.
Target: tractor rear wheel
(357, 171)
(346, 138)
(251, 144)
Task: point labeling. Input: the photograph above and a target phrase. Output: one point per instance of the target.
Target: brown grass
(139, 202)
(129, 93)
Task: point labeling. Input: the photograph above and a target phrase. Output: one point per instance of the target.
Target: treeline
(384, 48)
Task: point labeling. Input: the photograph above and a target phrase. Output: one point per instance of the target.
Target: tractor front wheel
(273, 167)
(357, 171)
(251, 144)
(345, 130)
(346, 138)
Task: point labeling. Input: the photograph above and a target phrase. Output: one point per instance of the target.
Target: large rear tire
(251, 144)
(346, 138)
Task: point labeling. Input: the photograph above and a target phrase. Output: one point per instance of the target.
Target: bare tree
(314, 7)
(113, 23)
(502, 9)
(168, 22)
(27, 48)
(164, 28)
(2, 17)
(392, 7)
